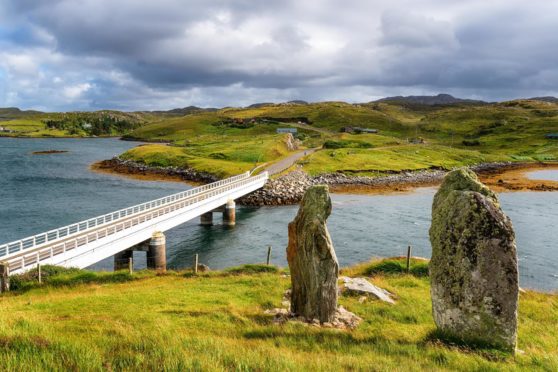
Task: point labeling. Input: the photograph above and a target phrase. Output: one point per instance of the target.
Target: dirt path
(287, 162)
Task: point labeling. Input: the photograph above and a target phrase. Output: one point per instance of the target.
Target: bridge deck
(86, 242)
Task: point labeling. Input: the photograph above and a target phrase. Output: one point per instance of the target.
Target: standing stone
(312, 260)
(474, 263)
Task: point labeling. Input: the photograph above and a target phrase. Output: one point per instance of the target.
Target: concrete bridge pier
(229, 213)
(157, 252)
(122, 259)
(206, 219)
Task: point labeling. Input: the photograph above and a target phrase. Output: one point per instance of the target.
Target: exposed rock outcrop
(474, 263)
(363, 286)
(312, 260)
(131, 167)
(285, 190)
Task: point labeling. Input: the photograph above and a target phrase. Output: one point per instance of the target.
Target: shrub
(253, 269)
(397, 266)
(471, 142)
(333, 144)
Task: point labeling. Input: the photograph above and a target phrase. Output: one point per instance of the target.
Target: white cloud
(62, 54)
(75, 91)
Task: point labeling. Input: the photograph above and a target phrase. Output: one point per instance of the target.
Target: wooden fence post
(4, 277)
(409, 259)
(39, 273)
(268, 255)
(131, 265)
(195, 264)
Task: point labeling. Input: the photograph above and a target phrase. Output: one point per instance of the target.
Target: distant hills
(185, 110)
(440, 99)
(546, 99)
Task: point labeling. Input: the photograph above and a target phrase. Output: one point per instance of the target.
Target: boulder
(473, 270)
(363, 286)
(312, 260)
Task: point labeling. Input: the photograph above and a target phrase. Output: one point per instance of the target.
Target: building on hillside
(287, 130)
(552, 136)
(358, 130)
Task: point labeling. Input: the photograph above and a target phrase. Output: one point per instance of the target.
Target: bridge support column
(229, 213)
(121, 259)
(157, 252)
(206, 219)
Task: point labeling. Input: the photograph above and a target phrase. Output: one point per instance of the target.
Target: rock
(312, 260)
(291, 142)
(363, 286)
(203, 268)
(473, 269)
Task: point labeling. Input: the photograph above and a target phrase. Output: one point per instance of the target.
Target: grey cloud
(170, 51)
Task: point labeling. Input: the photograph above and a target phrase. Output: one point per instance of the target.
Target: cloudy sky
(130, 54)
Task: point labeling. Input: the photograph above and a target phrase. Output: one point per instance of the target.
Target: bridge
(139, 227)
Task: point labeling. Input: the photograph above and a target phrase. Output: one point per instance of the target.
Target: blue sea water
(42, 192)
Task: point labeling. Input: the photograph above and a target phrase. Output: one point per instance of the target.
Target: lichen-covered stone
(474, 263)
(312, 260)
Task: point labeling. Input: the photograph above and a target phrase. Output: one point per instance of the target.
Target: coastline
(289, 188)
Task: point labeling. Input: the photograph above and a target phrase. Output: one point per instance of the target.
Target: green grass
(224, 156)
(216, 321)
(356, 161)
(455, 135)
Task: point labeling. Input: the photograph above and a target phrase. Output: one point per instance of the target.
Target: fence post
(4, 277)
(268, 255)
(39, 273)
(409, 259)
(131, 265)
(195, 263)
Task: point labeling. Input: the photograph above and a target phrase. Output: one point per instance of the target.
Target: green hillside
(410, 136)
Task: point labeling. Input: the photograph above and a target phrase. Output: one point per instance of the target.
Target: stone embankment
(288, 189)
(131, 167)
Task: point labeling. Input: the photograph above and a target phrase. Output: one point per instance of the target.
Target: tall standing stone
(312, 261)
(474, 263)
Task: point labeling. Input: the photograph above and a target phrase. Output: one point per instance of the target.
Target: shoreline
(131, 169)
(289, 188)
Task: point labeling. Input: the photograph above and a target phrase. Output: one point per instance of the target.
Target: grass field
(411, 137)
(444, 136)
(93, 321)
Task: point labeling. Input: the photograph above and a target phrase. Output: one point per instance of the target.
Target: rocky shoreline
(130, 167)
(289, 188)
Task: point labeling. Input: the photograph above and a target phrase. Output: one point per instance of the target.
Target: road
(287, 162)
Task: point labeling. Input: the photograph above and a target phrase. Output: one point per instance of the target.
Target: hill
(545, 99)
(413, 134)
(81, 320)
(440, 99)
(409, 137)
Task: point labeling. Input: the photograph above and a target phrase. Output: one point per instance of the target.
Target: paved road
(287, 162)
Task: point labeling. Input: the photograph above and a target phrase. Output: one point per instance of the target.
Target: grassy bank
(231, 140)
(216, 321)
(409, 138)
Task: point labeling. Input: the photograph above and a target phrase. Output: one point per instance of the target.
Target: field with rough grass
(409, 137)
(232, 140)
(82, 320)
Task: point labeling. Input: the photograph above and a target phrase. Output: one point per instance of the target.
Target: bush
(397, 266)
(471, 142)
(333, 144)
(253, 269)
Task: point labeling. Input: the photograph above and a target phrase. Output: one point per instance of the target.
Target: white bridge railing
(28, 251)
